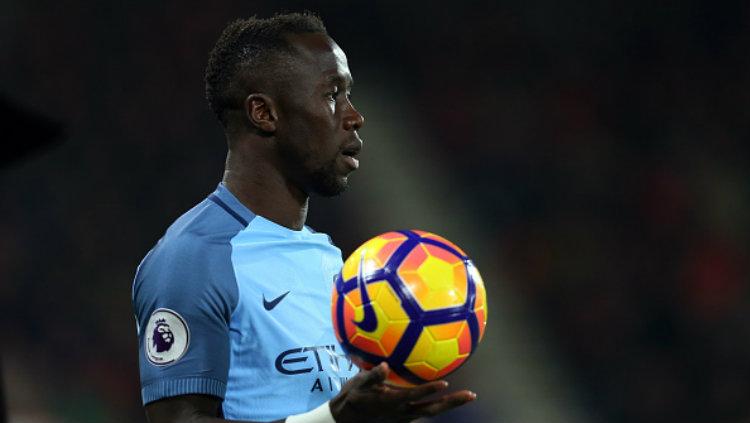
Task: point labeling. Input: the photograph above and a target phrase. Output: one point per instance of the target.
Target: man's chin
(332, 192)
(331, 187)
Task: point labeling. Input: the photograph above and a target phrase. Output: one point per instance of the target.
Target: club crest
(167, 337)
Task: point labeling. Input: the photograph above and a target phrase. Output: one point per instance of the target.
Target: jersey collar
(233, 203)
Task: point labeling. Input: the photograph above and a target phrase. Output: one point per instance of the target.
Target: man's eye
(333, 95)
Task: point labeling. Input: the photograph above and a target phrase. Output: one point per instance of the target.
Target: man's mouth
(350, 161)
(350, 152)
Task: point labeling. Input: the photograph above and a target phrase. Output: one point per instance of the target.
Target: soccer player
(233, 303)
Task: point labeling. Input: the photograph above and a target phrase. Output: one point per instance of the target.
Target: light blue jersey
(233, 305)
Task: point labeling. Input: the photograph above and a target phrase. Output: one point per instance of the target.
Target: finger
(376, 375)
(420, 391)
(442, 404)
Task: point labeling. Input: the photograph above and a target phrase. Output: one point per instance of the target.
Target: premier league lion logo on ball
(162, 336)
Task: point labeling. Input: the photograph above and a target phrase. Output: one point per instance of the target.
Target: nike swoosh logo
(269, 305)
(369, 321)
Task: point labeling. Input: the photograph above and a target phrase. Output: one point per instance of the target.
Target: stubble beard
(326, 182)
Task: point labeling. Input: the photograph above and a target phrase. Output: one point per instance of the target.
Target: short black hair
(250, 47)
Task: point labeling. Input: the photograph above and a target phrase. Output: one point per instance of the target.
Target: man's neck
(262, 189)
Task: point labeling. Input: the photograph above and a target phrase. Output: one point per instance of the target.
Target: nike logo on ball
(269, 305)
(369, 321)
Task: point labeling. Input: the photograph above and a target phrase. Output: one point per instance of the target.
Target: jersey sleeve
(184, 295)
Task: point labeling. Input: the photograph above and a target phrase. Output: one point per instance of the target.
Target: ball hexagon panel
(439, 350)
(374, 254)
(436, 277)
(391, 317)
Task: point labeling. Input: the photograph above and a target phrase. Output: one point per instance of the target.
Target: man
(233, 303)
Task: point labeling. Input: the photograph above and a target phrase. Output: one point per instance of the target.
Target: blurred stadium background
(592, 157)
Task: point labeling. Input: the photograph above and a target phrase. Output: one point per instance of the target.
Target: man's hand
(367, 399)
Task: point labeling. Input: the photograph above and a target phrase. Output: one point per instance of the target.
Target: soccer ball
(412, 299)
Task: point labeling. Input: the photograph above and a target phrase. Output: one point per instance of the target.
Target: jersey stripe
(226, 208)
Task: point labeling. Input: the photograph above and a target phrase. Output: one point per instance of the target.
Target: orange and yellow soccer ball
(412, 299)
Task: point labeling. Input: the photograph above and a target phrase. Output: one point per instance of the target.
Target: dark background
(598, 149)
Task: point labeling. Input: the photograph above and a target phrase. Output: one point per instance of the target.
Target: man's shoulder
(191, 260)
(206, 224)
(196, 239)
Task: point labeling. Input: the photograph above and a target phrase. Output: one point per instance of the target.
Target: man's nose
(354, 120)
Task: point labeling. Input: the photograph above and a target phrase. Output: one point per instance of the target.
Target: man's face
(317, 127)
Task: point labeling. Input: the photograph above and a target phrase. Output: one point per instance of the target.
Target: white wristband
(321, 414)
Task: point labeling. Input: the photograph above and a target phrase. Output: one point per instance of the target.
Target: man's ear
(260, 111)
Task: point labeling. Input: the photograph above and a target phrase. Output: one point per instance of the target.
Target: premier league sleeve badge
(167, 337)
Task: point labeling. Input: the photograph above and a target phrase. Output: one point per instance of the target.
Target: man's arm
(186, 409)
(363, 399)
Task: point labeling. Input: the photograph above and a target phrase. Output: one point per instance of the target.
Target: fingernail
(473, 395)
(445, 384)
